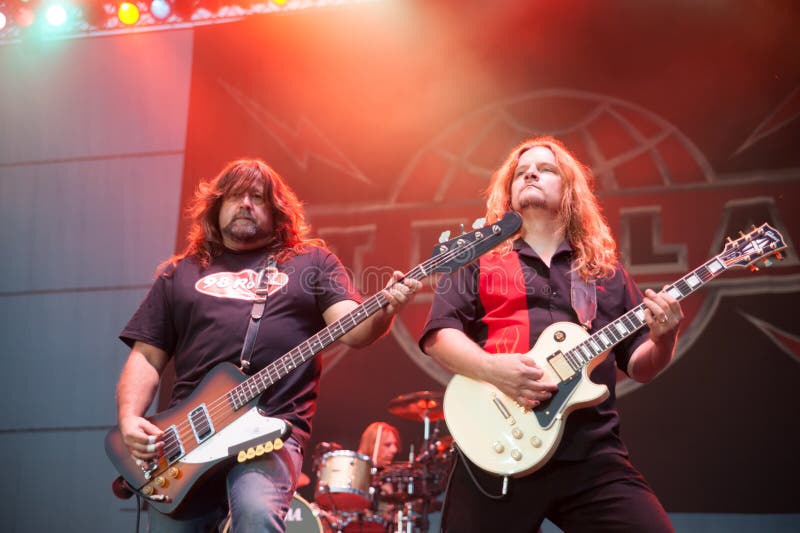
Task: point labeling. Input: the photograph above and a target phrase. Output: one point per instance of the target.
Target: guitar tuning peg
(479, 223)
(767, 262)
(444, 237)
(779, 256)
(753, 268)
(462, 229)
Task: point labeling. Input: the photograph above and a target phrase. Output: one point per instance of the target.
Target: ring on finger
(663, 319)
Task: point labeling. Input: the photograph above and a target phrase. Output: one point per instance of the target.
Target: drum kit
(354, 496)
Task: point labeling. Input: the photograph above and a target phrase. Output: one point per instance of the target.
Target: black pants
(603, 493)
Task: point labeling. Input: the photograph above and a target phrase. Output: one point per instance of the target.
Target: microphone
(121, 489)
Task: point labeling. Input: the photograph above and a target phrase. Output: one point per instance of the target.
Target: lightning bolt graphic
(786, 112)
(301, 142)
(787, 342)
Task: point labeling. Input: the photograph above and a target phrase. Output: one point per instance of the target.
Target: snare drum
(343, 481)
(301, 518)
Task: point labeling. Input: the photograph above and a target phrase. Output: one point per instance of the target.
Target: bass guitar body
(200, 433)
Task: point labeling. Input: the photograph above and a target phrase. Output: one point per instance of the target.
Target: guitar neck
(272, 373)
(632, 321)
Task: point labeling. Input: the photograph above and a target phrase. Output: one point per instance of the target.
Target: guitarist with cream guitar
(509, 327)
(251, 290)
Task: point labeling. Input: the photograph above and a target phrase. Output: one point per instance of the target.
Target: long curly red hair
(582, 220)
(289, 226)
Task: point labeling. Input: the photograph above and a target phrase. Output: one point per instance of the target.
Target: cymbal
(418, 405)
(303, 480)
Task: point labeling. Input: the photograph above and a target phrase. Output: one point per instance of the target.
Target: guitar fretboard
(258, 382)
(632, 321)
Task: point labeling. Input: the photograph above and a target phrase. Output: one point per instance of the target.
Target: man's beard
(244, 229)
(538, 202)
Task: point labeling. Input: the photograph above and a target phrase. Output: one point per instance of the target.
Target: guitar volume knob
(536, 442)
(516, 433)
(498, 447)
(174, 472)
(516, 455)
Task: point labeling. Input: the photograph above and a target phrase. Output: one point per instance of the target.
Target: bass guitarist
(562, 267)
(198, 313)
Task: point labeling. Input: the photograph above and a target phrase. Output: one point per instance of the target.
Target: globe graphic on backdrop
(629, 149)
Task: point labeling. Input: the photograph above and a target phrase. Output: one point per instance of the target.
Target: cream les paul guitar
(503, 438)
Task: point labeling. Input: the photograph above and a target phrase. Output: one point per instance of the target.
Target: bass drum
(301, 518)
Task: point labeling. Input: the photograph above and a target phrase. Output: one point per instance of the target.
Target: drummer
(380, 442)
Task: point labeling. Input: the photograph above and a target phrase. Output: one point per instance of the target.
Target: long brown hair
(582, 220)
(289, 227)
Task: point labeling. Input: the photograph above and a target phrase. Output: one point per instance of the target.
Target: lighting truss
(88, 18)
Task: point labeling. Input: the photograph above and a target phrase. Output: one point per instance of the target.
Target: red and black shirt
(504, 301)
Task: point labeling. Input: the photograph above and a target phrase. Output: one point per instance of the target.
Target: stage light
(2, 20)
(56, 15)
(160, 9)
(128, 13)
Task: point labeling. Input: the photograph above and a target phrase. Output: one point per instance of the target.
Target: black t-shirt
(200, 317)
(504, 301)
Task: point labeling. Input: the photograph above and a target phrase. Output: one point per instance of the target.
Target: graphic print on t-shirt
(239, 285)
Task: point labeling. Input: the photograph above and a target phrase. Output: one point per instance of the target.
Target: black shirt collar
(524, 249)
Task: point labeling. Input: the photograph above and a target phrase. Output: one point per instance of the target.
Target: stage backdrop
(387, 118)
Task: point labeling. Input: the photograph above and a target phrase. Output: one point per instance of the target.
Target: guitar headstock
(754, 248)
(459, 251)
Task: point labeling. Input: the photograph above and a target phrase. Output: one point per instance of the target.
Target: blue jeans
(259, 494)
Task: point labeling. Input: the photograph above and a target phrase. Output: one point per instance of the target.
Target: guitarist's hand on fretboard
(398, 293)
(663, 316)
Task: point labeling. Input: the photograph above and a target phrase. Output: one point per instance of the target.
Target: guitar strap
(583, 294)
(266, 273)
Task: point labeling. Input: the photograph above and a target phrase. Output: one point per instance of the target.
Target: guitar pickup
(561, 366)
(201, 423)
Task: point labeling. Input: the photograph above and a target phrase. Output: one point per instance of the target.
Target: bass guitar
(220, 420)
(506, 439)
